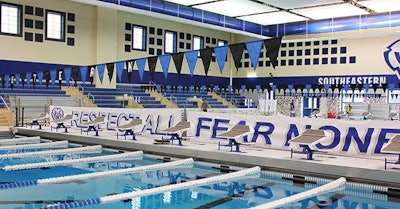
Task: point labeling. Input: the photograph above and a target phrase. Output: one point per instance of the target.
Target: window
(139, 37)
(170, 42)
(222, 43)
(10, 19)
(55, 25)
(198, 43)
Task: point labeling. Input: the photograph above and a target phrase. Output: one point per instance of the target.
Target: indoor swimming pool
(35, 174)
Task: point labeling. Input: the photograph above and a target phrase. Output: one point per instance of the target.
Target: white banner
(153, 119)
(352, 137)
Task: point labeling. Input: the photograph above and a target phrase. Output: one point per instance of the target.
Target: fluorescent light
(331, 11)
(188, 3)
(292, 4)
(235, 8)
(381, 5)
(273, 18)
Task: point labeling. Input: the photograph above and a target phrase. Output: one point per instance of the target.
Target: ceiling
(271, 12)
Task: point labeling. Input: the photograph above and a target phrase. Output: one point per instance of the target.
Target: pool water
(240, 193)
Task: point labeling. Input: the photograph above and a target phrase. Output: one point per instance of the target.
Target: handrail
(81, 87)
(152, 83)
(172, 97)
(4, 102)
(90, 95)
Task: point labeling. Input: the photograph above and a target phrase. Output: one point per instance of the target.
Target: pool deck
(366, 169)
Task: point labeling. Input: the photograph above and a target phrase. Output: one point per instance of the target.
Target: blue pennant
(165, 60)
(53, 75)
(191, 58)
(67, 74)
(120, 70)
(83, 70)
(17, 78)
(40, 77)
(28, 78)
(7, 77)
(254, 48)
(141, 64)
(100, 71)
(220, 54)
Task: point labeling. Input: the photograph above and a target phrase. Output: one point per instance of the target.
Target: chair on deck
(174, 133)
(60, 123)
(128, 128)
(308, 139)
(392, 116)
(93, 125)
(235, 132)
(41, 119)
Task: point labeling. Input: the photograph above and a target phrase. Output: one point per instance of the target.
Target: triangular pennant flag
(17, 77)
(75, 74)
(165, 60)
(375, 87)
(23, 77)
(110, 70)
(206, 55)
(391, 86)
(191, 59)
(366, 87)
(28, 78)
(53, 75)
(360, 87)
(346, 87)
(120, 70)
(237, 52)
(273, 45)
(83, 70)
(100, 71)
(141, 64)
(67, 74)
(7, 80)
(254, 49)
(353, 87)
(258, 88)
(178, 59)
(40, 77)
(308, 88)
(152, 62)
(384, 86)
(290, 87)
(221, 55)
(327, 87)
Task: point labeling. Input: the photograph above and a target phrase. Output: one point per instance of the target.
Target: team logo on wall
(57, 113)
(392, 57)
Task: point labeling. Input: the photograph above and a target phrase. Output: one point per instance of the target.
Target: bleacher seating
(236, 99)
(140, 96)
(185, 99)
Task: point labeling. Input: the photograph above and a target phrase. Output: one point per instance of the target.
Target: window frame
(201, 38)
(144, 37)
(225, 42)
(174, 43)
(19, 21)
(62, 26)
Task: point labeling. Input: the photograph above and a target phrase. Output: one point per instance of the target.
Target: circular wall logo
(392, 57)
(57, 113)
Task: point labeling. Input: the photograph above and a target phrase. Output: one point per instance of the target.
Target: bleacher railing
(5, 103)
(90, 96)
